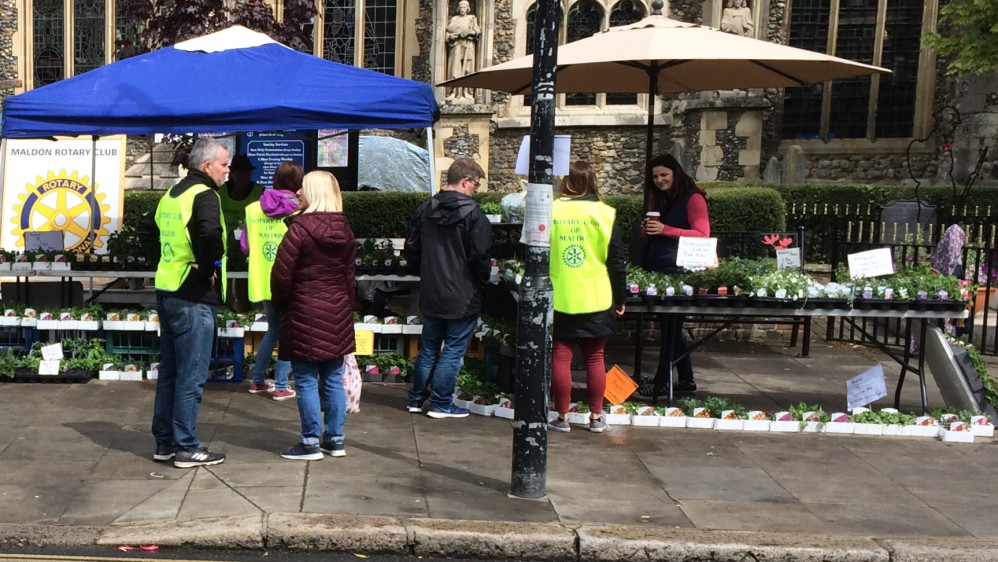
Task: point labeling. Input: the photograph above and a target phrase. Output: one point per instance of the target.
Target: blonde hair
(321, 192)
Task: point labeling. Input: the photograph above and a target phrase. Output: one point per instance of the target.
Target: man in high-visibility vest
(190, 284)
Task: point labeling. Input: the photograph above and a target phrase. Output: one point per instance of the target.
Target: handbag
(351, 383)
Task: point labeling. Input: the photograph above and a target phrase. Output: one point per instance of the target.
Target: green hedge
(378, 214)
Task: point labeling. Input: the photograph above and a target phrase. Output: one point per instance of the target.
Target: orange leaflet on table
(619, 386)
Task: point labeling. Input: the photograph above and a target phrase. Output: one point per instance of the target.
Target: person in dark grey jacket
(447, 244)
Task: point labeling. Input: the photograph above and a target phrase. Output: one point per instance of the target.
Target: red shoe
(286, 394)
(258, 388)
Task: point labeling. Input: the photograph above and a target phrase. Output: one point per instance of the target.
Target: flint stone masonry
(8, 62)
(617, 154)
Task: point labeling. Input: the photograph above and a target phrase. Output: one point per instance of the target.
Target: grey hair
(204, 150)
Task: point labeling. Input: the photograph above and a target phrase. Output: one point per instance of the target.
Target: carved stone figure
(462, 34)
(737, 19)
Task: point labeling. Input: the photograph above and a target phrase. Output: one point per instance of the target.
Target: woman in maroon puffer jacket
(312, 284)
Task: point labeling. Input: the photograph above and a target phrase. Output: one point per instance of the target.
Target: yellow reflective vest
(264, 236)
(580, 237)
(176, 254)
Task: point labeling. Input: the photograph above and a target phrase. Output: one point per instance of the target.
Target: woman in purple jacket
(312, 285)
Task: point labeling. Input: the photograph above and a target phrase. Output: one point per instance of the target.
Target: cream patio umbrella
(658, 55)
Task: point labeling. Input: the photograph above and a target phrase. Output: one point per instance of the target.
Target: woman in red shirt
(683, 211)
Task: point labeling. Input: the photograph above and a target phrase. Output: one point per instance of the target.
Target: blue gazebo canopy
(235, 80)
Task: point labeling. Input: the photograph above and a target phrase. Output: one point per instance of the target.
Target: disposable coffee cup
(654, 216)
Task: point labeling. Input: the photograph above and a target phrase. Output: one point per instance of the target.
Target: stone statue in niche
(737, 19)
(462, 34)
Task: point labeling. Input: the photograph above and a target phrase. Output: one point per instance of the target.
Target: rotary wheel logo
(573, 256)
(63, 203)
(270, 251)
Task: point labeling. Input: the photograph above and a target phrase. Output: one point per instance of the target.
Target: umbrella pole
(650, 132)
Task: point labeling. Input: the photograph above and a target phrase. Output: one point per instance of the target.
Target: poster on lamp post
(72, 185)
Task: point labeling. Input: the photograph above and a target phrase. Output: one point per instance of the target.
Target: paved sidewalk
(75, 465)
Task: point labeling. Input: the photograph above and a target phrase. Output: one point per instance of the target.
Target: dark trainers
(197, 457)
(415, 407)
(303, 452)
(451, 412)
(164, 452)
(598, 425)
(559, 424)
(333, 448)
(685, 386)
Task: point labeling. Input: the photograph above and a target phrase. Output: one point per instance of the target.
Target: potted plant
(492, 210)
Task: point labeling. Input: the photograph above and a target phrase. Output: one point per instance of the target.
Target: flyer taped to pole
(537, 216)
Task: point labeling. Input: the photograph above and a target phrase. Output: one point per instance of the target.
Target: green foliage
(380, 214)
(971, 38)
(9, 362)
(136, 204)
(746, 209)
(888, 418)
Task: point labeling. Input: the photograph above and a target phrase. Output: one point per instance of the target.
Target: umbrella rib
(781, 73)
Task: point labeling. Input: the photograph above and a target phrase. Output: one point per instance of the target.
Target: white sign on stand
(696, 252)
(788, 258)
(866, 387)
(871, 263)
(48, 367)
(52, 352)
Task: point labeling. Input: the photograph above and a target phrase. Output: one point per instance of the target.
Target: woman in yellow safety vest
(262, 234)
(588, 273)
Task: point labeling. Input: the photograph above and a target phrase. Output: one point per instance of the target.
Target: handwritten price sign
(871, 263)
(696, 252)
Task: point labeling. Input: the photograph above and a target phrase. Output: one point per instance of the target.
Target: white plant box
(869, 429)
(59, 266)
(368, 327)
(133, 326)
(48, 324)
(462, 403)
(41, 266)
(674, 417)
(956, 436)
(646, 420)
(4, 266)
(412, 328)
(617, 419)
(152, 374)
(68, 325)
(391, 328)
(109, 375)
(792, 426)
(258, 327)
(811, 427)
(21, 266)
(981, 426)
(231, 332)
(894, 430)
(131, 375)
(847, 428)
(88, 325)
(757, 425)
(729, 425)
(577, 418)
(922, 430)
(700, 423)
(10, 321)
(29, 322)
(481, 409)
(504, 413)
(151, 326)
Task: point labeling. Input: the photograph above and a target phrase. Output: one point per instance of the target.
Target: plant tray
(26, 375)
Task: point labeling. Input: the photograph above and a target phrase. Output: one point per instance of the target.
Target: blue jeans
(436, 368)
(186, 337)
(308, 376)
(266, 349)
